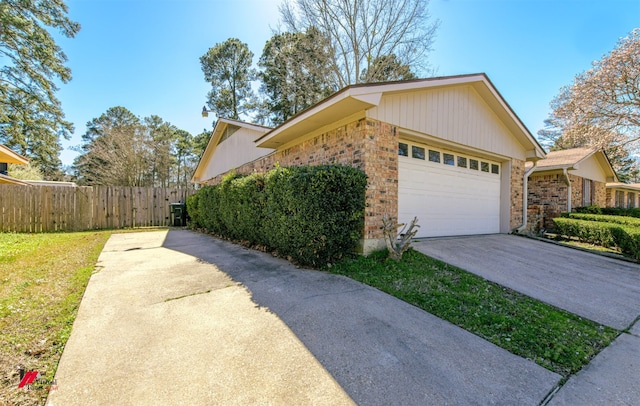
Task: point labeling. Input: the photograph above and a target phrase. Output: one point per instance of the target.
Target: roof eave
(361, 97)
(342, 104)
(4, 179)
(9, 156)
(628, 186)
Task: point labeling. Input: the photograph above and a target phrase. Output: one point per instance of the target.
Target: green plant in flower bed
(557, 340)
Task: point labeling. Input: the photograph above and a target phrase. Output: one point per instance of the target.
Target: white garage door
(450, 193)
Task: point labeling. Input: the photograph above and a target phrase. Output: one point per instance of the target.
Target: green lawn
(553, 338)
(42, 280)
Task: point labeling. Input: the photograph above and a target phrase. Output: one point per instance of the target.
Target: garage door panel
(448, 200)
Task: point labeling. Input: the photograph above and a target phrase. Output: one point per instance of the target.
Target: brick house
(567, 179)
(447, 150)
(623, 195)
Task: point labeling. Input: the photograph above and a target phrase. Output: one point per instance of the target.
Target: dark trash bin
(178, 214)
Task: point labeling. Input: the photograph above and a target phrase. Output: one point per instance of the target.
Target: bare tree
(602, 107)
(364, 31)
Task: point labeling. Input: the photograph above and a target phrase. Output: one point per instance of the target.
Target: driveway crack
(188, 295)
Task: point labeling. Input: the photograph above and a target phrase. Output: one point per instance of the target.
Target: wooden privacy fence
(34, 209)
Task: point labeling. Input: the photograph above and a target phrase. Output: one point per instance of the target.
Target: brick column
(380, 157)
(517, 190)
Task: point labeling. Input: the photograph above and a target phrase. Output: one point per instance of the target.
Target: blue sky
(144, 54)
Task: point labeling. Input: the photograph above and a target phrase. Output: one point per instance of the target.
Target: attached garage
(460, 167)
(451, 193)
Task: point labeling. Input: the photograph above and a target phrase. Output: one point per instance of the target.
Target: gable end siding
(457, 114)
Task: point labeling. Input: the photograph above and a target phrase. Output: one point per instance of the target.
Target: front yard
(42, 280)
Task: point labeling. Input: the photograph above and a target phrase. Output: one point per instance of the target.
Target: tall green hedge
(624, 220)
(315, 215)
(612, 211)
(625, 237)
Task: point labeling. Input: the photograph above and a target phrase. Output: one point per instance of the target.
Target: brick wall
(366, 144)
(550, 191)
(517, 187)
(610, 198)
(600, 194)
(535, 219)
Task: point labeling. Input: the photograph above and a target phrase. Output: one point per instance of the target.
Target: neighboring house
(568, 178)
(624, 195)
(7, 157)
(447, 150)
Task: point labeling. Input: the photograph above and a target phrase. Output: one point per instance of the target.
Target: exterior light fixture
(205, 112)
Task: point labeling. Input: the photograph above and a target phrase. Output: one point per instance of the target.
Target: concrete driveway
(598, 288)
(184, 318)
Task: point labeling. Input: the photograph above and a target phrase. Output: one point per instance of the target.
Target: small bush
(314, 214)
(628, 240)
(193, 203)
(241, 207)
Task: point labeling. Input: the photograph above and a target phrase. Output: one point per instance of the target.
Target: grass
(42, 280)
(557, 340)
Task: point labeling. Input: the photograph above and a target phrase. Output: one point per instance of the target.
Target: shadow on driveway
(381, 350)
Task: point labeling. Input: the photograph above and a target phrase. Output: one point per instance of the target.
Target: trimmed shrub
(193, 206)
(314, 215)
(592, 232)
(241, 207)
(626, 238)
(588, 209)
(619, 211)
(626, 221)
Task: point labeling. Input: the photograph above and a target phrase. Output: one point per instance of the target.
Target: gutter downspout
(525, 197)
(568, 183)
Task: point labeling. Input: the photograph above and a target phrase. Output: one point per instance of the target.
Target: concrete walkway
(183, 318)
(599, 288)
(612, 377)
(157, 326)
